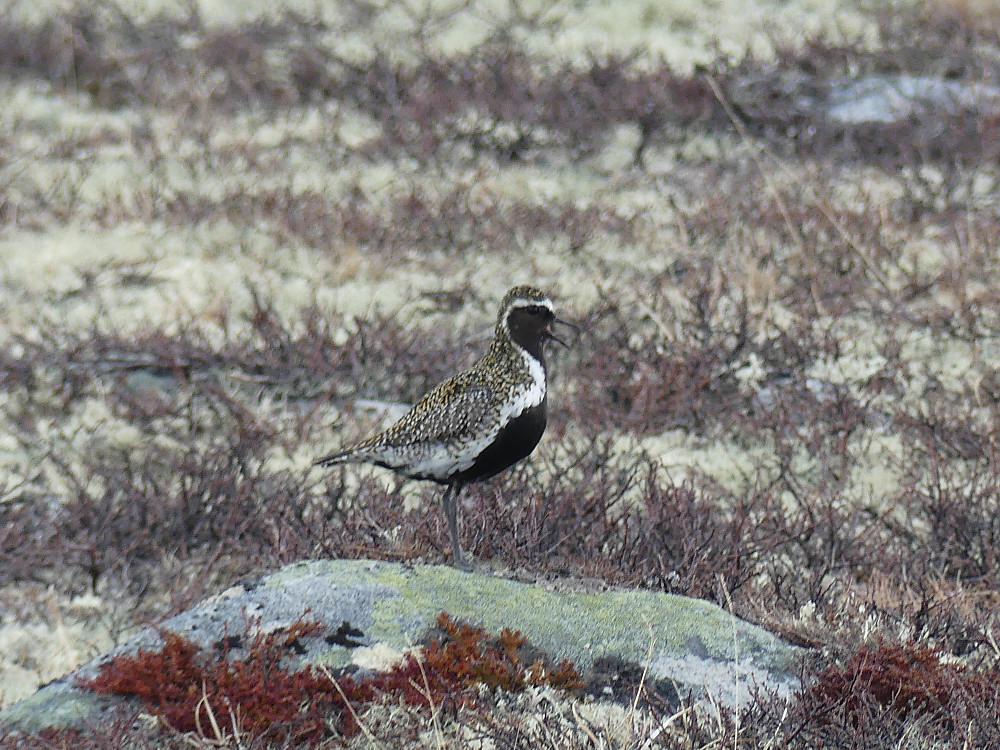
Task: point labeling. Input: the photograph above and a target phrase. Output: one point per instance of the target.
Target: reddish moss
(901, 679)
(466, 656)
(254, 693)
(179, 683)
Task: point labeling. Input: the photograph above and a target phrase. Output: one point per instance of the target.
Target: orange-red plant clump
(195, 692)
(467, 656)
(192, 692)
(902, 679)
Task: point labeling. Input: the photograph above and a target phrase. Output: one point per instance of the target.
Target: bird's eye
(533, 309)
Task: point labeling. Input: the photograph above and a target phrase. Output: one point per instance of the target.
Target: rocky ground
(229, 235)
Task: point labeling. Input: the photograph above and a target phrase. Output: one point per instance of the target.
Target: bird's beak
(566, 323)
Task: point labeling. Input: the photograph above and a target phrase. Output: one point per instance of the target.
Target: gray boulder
(371, 609)
(786, 96)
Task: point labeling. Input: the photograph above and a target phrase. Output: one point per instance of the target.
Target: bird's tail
(342, 457)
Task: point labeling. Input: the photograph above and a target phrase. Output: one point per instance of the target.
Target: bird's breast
(529, 392)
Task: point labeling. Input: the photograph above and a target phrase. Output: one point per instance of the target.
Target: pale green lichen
(575, 625)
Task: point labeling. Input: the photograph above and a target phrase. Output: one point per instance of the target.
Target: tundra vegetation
(223, 234)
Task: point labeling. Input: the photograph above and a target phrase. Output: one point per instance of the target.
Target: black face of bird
(532, 324)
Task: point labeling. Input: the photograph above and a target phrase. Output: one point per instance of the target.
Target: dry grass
(784, 398)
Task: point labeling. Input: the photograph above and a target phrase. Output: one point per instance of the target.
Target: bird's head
(528, 317)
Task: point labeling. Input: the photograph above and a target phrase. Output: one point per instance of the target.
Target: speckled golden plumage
(480, 421)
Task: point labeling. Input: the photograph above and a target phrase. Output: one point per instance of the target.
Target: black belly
(514, 442)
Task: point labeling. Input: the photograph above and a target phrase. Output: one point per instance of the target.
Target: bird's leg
(450, 502)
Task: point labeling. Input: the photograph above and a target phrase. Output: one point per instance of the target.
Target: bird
(479, 422)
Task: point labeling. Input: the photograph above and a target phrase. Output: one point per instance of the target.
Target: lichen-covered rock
(373, 610)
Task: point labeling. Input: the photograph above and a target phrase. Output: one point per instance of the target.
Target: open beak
(566, 323)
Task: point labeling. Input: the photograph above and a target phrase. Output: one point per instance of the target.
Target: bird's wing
(448, 415)
(453, 411)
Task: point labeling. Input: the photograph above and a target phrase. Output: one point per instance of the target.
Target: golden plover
(479, 422)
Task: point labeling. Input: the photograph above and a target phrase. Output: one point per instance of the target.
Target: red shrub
(901, 679)
(254, 693)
